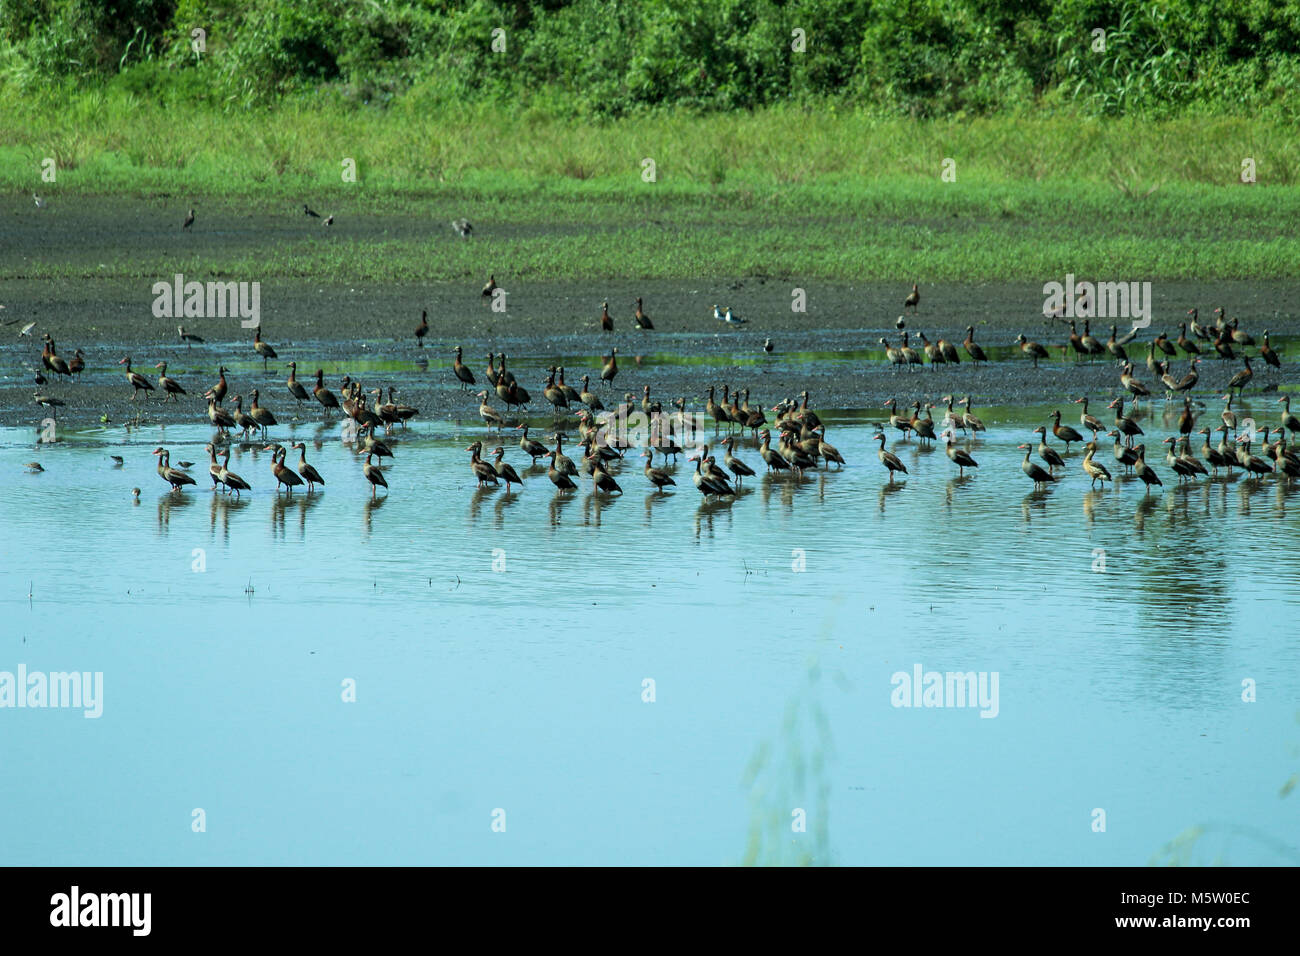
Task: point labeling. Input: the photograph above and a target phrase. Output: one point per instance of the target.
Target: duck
(308, 473)
(658, 477)
(503, 469)
(958, 456)
(887, 458)
(1095, 470)
(1036, 474)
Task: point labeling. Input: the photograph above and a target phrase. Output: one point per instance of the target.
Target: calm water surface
(225, 631)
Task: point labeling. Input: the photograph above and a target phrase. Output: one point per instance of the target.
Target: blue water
(521, 689)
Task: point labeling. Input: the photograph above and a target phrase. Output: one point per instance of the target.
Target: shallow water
(225, 631)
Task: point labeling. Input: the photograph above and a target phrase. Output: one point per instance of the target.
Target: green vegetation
(603, 58)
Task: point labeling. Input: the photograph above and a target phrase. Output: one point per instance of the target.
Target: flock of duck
(801, 443)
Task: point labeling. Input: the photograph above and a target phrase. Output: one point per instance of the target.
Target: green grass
(776, 192)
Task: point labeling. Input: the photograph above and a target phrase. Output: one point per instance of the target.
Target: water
(226, 630)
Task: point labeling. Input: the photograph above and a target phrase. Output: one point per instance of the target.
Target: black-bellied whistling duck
(902, 422)
(1251, 463)
(1124, 455)
(483, 472)
(893, 355)
(1228, 416)
(1216, 458)
(491, 371)
(261, 415)
(706, 484)
(1145, 471)
(971, 422)
(1153, 363)
(530, 446)
(489, 287)
(296, 388)
(1032, 349)
(1036, 474)
(647, 406)
(888, 458)
(374, 476)
(308, 473)
(1223, 345)
(77, 364)
(806, 414)
(1090, 342)
(502, 388)
(243, 421)
(1114, 347)
(560, 479)
(601, 480)
(462, 371)
(1287, 463)
(1266, 352)
(505, 373)
(262, 349)
(1187, 345)
(169, 386)
(715, 411)
(1240, 337)
(975, 351)
(588, 397)
(1093, 425)
(491, 417)
(569, 391)
(1167, 379)
(173, 476)
(1189, 459)
(610, 368)
(1186, 418)
(1289, 420)
(1126, 425)
(1094, 469)
(562, 461)
(774, 460)
(518, 397)
(1242, 378)
(138, 382)
(734, 464)
(554, 395)
(709, 466)
(422, 329)
(214, 470)
(231, 480)
(910, 355)
(829, 452)
(958, 456)
(1076, 342)
(1162, 342)
(372, 445)
(323, 394)
(1135, 388)
(404, 413)
(1198, 330)
(218, 391)
(1047, 452)
(931, 350)
(642, 320)
(1188, 381)
(1180, 468)
(505, 471)
(948, 351)
(283, 475)
(952, 420)
(658, 477)
(923, 427)
(606, 320)
(219, 417)
(913, 299)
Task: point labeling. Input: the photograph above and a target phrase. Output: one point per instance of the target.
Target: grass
(775, 192)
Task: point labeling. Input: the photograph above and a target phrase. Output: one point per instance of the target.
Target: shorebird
(308, 211)
(189, 220)
(189, 338)
(462, 228)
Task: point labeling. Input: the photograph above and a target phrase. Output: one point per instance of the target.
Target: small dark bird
(329, 220)
(308, 211)
(462, 228)
(913, 299)
(189, 338)
(900, 323)
(422, 329)
(606, 321)
(189, 220)
(767, 346)
(490, 287)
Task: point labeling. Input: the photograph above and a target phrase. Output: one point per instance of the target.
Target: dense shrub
(613, 57)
